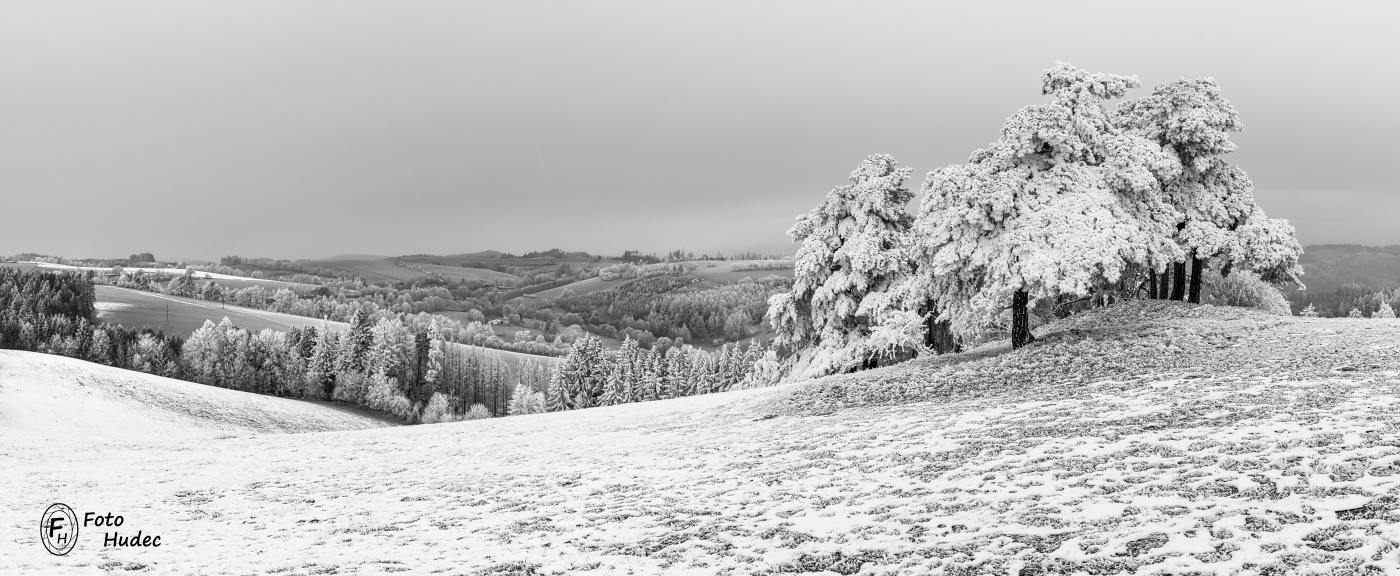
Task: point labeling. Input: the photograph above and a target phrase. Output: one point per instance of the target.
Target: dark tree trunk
(871, 363)
(1020, 319)
(1179, 281)
(1152, 284)
(938, 335)
(1164, 284)
(1198, 267)
(943, 340)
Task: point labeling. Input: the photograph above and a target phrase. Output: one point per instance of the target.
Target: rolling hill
(468, 274)
(371, 269)
(712, 271)
(1152, 438)
(1329, 266)
(225, 280)
(182, 316)
(53, 399)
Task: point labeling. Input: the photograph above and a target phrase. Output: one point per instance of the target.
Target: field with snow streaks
(140, 308)
(1156, 439)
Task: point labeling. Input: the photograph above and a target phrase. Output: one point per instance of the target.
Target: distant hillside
(711, 271)
(370, 269)
(179, 316)
(136, 309)
(1329, 266)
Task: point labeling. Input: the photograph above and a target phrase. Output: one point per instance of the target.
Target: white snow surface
(53, 402)
(1151, 439)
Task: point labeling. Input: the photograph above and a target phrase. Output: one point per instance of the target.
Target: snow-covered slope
(1156, 439)
(52, 400)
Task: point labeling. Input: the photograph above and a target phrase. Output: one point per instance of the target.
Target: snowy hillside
(1156, 438)
(52, 399)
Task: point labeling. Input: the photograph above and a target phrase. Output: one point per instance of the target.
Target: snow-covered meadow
(1148, 437)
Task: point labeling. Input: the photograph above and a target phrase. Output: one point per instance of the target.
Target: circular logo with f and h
(58, 529)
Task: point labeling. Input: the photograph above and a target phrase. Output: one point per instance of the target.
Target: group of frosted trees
(1383, 311)
(1073, 200)
(590, 375)
(409, 370)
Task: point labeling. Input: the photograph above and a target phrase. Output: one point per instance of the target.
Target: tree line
(407, 366)
(590, 375)
(341, 306)
(679, 308)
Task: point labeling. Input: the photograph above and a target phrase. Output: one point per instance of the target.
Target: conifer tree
(853, 248)
(321, 374)
(678, 382)
(651, 374)
(433, 370)
(357, 342)
(700, 372)
(557, 397)
(521, 401)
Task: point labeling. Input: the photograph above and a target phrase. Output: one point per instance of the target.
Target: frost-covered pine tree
(1355, 313)
(653, 373)
(433, 371)
(677, 383)
(616, 390)
(557, 397)
(1309, 311)
(1213, 199)
(1268, 247)
(853, 248)
(767, 371)
(439, 409)
(625, 372)
(522, 401)
(1384, 311)
(100, 350)
(1041, 213)
(356, 344)
(700, 369)
(320, 374)
(386, 348)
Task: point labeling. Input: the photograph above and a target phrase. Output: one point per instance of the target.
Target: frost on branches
(1071, 201)
(1384, 311)
(1074, 200)
(1216, 215)
(853, 249)
(1045, 211)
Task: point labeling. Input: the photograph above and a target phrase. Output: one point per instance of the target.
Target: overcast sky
(306, 129)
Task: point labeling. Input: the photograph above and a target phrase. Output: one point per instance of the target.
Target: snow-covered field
(1151, 438)
(48, 401)
(134, 269)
